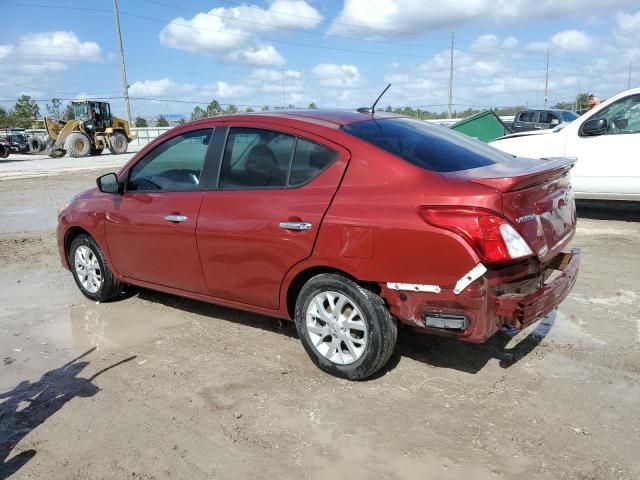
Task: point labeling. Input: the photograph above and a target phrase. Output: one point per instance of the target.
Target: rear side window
(309, 160)
(255, 158)
(526, 116)
(173, 166)
(432, 147)
(258, 158)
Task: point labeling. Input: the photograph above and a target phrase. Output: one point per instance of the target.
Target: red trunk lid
(537, 199)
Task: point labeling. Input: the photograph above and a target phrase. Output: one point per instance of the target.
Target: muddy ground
(173, 388)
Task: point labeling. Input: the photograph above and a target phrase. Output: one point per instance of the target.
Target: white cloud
(256, 55)
(572, 41)
(333, 75)
(270, 75)
(231, 32)
(628, 26)
(420, 16)
(271, 81)
(159, 88)
(38, 53)
(566, 41)
(223, 90)
(537, 47)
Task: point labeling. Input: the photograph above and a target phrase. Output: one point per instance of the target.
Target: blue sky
(336, 54)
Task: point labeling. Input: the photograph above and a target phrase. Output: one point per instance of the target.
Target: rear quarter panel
(372, 229)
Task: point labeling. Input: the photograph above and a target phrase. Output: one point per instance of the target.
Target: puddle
(117, 325)
(45, 319)
(556, 327)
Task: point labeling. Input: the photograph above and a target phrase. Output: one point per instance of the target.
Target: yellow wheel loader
(92, 130)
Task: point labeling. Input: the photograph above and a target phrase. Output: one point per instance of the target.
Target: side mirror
(108, 183)
(555, 122)
(597, 126)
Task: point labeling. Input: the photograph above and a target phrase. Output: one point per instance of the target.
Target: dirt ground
(171, 388)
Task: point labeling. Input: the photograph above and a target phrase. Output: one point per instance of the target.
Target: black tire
(109, 287)
(381, 334)
(4, 151)
(118, 143)
(77, 145)
(35, 145)
(96, 151)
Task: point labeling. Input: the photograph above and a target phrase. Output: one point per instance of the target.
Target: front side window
(432, 147)
(256, 158)
(173, 166)
(622, 116)
(545, 117)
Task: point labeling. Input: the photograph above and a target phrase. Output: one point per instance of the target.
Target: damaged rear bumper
(521, 310)
(515, 295)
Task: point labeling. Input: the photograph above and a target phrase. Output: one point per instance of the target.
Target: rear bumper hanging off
(490, 301)
(522, 310)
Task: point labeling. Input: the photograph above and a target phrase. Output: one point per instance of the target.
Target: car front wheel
(346, 329)
(90, 271)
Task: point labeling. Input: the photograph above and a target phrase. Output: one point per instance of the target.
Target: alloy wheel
(336, 327)
(88, 269)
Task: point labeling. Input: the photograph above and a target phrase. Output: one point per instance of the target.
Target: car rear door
(525, 121)
(150, 228)
(263, 214)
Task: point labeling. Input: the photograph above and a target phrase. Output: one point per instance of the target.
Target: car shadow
(240, 317)
(608, 210)
(30, 404)
(470, 358)
(432, 350)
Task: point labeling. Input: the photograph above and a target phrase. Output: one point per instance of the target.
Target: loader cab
(96, 116)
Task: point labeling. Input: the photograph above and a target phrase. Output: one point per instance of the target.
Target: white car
(605, 141)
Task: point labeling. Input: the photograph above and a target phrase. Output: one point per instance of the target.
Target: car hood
(525, 134)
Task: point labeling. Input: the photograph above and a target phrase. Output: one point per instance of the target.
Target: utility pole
(578, 106)
(451, 75)
(629, 80)
(123, 70)
(284, 102)
(546, 82)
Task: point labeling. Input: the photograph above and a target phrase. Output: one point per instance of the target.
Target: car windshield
(432, 147)
(568, 116)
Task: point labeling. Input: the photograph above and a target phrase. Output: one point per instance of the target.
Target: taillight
(492, 236)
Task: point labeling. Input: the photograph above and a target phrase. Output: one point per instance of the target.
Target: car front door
(264, 213)
(608, 164)
(150, 228)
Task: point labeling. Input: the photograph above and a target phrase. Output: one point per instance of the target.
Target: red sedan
(344, 222)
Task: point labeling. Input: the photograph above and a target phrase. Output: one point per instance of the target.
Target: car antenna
(371, 111)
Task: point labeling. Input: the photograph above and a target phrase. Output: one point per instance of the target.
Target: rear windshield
(433, 147)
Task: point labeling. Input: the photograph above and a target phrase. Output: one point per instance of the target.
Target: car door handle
(175, 218)
(295, 225)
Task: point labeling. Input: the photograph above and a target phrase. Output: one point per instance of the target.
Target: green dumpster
(484, 126)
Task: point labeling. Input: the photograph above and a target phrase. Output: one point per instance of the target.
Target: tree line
(26, 112)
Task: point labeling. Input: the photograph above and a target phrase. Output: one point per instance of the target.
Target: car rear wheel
(90, 271)
(345, 328)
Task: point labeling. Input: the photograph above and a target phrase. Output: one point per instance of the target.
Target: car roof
(325, 117)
